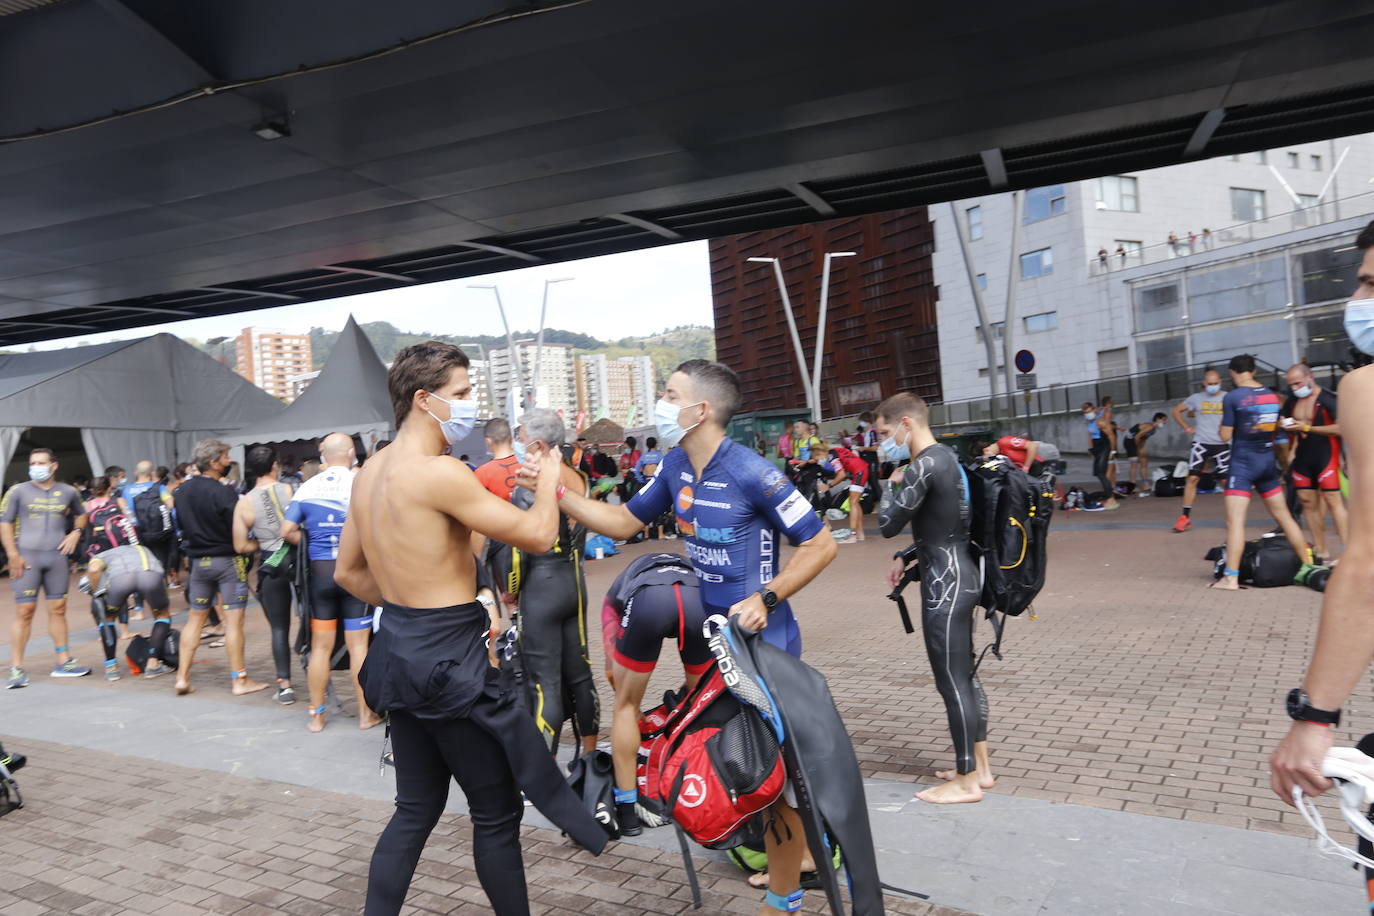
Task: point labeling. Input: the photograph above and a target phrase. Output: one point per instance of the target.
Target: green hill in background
(667, 348)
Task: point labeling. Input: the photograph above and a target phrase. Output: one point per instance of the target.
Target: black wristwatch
(770, 600)
(1301, 710)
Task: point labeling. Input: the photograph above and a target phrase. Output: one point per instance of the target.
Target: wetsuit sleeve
(1328, 399)
(653, 500)
(900, 502)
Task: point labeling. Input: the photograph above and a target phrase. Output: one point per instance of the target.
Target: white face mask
(665, 422)
(1214, 389)
(1302, 392)
(40, 472)
(462, 416)
(1359, 324)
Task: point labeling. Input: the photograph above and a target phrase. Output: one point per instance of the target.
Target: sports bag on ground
(713, 764)
(1266, 562)
(1009, 528)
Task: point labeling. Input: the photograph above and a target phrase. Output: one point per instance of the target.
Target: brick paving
(1137, 689)
(108, 835)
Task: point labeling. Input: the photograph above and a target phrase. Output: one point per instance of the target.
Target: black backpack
(1266, 562)
(151, 515)
(1009, 527)
(107, 528)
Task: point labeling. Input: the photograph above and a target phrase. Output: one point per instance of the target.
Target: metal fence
(1160, 385)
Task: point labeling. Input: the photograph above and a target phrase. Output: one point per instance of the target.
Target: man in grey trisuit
(1209, 451)
(33, 530)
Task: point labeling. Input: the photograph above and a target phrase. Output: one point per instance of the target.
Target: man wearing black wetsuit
(407, 548)
(931, 494)
(552, 594)
(1309, 416)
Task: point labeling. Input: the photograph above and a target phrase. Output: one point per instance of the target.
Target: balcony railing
(1275, 224)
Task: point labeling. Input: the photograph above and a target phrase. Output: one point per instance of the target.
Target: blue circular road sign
(1025, 360)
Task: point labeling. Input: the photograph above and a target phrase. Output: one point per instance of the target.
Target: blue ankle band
(59, 649)
(1235, 573)
(792, 903)
(626, 796)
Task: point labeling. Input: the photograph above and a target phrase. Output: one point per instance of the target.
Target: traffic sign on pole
(1025, 382)
(1025, 360)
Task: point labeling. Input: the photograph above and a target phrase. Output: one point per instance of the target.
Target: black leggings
(947, 616)
(553, 647)
(1101, 452)
(428, 754)
(274, 594)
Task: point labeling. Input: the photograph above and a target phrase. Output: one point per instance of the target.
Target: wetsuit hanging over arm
(933, 498)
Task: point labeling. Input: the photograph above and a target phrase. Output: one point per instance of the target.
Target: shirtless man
(407, 547)
(931, 496)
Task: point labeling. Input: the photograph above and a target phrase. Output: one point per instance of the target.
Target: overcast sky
(619, 295)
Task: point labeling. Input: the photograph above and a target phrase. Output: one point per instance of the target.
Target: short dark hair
(651, 443)
(497, 430)
(1365, 240)
(421, 367)
(1161, 415)
(1241, 363)
(259, 461)
(630, 441)
(905, 404)
(716, 384)
(41, 450)
(111, 471)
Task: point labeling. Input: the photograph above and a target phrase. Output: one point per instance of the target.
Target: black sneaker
(629, 819)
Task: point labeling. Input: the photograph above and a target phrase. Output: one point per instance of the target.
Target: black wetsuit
(552, 590)
(933, 497)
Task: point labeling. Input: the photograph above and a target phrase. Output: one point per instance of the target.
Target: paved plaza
(1130, 726)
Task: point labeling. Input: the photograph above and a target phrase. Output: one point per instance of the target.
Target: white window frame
(1121, 183)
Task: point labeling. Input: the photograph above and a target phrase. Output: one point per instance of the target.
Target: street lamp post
(517, 383)
(820, 332)
(792, 328)
(539, 346)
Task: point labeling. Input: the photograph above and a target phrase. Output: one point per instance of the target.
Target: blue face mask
(462, 416)
(1359, 324)
(1302, 392)
(894, 452)
(40, 472)
(519, 449)
(1213, 389)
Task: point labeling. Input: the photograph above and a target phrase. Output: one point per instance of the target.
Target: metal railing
(1197, 242)
(1152, 387)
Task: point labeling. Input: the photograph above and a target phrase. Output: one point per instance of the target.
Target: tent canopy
(349, 396)
(149, 398)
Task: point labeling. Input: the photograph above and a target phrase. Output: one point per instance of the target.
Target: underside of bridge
(162, 160)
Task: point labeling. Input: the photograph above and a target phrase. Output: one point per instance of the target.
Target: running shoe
(285, 696)
(18, 678)
(155, 669)
(1183, 523)
(70, 668)
(112, 672)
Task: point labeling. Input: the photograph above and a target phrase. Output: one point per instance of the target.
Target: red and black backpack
(712, 763)
(108, 528)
